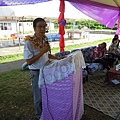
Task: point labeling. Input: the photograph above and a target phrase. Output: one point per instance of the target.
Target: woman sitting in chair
(113, 48)
(99, 56)
(117, 37)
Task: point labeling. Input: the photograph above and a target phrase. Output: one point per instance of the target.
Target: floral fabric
(98, 52)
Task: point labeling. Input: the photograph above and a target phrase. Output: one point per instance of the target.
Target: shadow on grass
(16, 100)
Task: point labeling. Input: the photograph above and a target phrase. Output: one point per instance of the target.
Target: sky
(48, 9)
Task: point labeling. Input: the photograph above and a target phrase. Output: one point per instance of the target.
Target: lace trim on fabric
(61, 69)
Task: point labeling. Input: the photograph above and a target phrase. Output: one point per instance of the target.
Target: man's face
(40, 28)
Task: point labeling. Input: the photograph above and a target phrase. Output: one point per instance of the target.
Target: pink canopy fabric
(118, 27)
(105, 14)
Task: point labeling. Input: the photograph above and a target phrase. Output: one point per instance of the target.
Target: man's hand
(45, 48)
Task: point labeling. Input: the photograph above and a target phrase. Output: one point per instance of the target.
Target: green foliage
(92, 24)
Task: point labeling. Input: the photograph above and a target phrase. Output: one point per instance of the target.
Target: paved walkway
(11, 65)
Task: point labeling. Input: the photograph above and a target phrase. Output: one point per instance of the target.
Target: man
(36, 54)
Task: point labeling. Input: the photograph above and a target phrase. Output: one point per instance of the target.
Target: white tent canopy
(49, 10)
(6, 13)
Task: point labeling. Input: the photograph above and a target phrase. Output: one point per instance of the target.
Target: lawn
(16, 100)
(10, 58)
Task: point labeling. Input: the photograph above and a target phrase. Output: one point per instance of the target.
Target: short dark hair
(103, 43)
(114, 39)
(37, 20)
(116, 36)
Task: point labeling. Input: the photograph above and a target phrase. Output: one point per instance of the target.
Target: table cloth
(62, 88)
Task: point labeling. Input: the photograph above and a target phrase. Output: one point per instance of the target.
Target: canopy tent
(103, 11)
(115, 3)
(49, 10)
(6, 13)
(20, 2)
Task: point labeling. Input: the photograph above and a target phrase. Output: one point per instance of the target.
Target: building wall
(25, 26)
(7, 28)
(12, 27)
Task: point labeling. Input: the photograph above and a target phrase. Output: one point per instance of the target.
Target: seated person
(99, 56)
(117, 37)
(113, 48)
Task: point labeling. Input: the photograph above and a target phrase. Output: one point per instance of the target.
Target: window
(5, 26)
(1, 26)
(9, 26)
(20, 24)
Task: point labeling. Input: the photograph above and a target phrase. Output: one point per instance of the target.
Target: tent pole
(50, 29)
(16, 27)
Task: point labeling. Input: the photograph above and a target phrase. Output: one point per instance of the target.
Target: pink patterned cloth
(78, 107)
(57, 100)
(63, 99)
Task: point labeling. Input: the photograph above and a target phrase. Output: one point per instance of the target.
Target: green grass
(16, 100)
(11, 58)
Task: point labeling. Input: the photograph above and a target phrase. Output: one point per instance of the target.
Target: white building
(28, 26)
(9, 23)
(8, 27)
